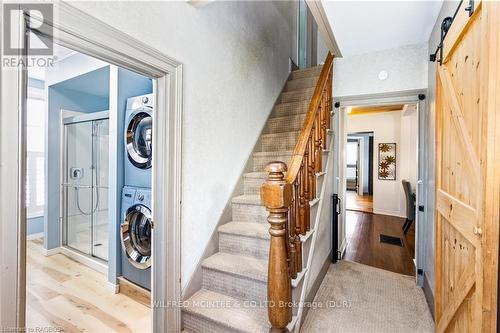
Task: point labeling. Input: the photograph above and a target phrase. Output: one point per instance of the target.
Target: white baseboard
(51, 252)
(388, 212)
(83, 259)
(34, 236)
(114, 288)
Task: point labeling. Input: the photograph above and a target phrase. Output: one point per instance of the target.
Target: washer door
(136, 236)
(138, 139)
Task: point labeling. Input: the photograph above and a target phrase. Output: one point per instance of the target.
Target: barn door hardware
(445, 26)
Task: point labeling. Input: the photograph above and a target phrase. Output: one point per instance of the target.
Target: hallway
(359, 203)
(364, 246)
(360, 298)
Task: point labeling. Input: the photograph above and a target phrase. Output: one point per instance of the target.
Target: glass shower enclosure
(85, 184)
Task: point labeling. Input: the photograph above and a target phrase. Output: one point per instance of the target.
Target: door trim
(397, 97)
(81, 32)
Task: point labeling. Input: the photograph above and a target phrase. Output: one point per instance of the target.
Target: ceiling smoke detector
(383, 75)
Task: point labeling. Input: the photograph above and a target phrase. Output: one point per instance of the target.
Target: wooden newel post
(276, 195)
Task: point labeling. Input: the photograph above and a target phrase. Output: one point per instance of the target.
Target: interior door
(466, 175)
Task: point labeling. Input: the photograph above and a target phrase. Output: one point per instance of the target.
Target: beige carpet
(360, 298)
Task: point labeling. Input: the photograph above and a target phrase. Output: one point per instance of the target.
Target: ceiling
(367, 26)
(59, 53)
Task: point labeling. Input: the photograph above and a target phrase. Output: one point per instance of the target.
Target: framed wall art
(387, 161)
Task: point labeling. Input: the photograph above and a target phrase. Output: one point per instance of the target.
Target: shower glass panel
(85, 220)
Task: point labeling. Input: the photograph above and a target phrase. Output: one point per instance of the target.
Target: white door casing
(74, 29)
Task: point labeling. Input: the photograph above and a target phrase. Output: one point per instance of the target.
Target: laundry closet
(99, 146)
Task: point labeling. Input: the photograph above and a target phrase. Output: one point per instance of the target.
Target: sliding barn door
(467, 173)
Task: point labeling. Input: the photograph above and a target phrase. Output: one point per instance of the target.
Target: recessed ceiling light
(383, 75)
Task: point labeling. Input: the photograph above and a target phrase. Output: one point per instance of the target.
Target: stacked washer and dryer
(135, 230)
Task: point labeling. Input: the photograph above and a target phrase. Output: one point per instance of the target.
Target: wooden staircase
(235, 279)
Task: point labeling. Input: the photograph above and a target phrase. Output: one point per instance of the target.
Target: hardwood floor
(363, 231)
(359, 203)
(66, 296)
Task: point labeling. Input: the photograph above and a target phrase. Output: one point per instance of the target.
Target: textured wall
(358, 74)
(448, 9)
(235, 61)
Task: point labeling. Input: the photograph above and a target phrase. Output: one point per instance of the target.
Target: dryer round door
(136, 236)
(139, 138)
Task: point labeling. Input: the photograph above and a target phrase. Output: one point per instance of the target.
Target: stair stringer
(322, 220)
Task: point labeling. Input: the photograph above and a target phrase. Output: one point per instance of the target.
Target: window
(35, 162)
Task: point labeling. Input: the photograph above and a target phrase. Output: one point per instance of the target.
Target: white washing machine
(135, 235)
(138, 141)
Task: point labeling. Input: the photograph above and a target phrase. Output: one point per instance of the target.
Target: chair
(410, 205)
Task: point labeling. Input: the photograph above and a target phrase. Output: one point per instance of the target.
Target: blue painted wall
(34, 225)
(129, 84)
(67, 95)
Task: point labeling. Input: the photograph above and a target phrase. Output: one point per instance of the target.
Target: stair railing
(287, 199)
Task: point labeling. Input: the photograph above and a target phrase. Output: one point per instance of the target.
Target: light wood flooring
(363, 231)
(359, 203)
(64, 294)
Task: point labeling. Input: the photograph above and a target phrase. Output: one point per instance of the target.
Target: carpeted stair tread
(247, 229)
(236, 317)
(247, 199)
(309, 90)
(297, 95)
(291, 108)
(249, 267)
(272, 153)
(256, 174)
(301, 83)
(280, 135)
(306, 72)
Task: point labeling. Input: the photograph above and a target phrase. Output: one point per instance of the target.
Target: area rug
(359, 298)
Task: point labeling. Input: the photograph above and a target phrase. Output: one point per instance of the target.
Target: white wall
(358, 74)
(235, 62)
(389, 127)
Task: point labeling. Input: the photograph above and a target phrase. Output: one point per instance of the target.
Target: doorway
(380, 138)
(120, 50)
(84, 135)
(359, 172)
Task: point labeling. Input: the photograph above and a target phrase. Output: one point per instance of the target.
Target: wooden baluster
(312, 168)
(292, 256)
(311, 182)
(276, 195)
(323, 120)
(307, 189)
(303, 199)
(318, 145)
(298, 243)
